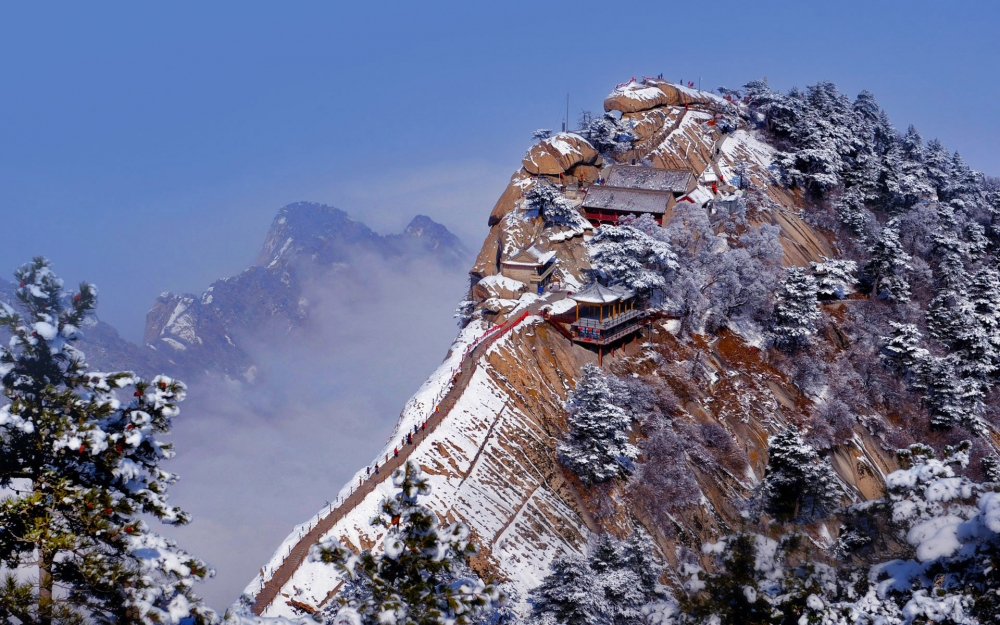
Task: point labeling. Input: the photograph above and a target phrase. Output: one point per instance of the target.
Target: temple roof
(651, 178)
(530, 257)
(596, 293)
(627, 200)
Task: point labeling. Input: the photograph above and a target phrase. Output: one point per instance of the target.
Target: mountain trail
(298, 553)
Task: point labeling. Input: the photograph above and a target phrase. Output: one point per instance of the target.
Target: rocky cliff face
(306, 242)
(493, 459)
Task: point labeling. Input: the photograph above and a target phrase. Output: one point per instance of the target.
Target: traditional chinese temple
(637, 190)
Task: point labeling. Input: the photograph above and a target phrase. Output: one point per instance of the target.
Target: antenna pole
(567, 112)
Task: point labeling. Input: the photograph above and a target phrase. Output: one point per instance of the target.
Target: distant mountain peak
(435, 236)
(305, 239)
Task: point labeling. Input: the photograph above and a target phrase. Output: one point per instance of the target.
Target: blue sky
(147, 146)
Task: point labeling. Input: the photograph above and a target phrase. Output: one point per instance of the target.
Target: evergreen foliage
(797, 484)
(835, 279)
(554, 209)
(84, 466)
(597, 447)
(611, 586)
(902, 351)
(795, 309)
(943, 536)
(627, 254)
(883, 274)
(608, 134)
(420, 577)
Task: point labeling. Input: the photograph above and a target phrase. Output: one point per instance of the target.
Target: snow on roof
(597, 293)
(530, 256)
(699, 196)
(627, 200)
(543, 257)
(650, 178)
(503, 282)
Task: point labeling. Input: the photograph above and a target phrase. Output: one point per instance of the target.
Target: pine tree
(798, 485)
(739, 591)
(610, 586)
(937, 160)
(552, 207)
(852, 212)
(84, 466)
(626, 255)
(906, 178)
(882, 275)
(902, 351)
(566, 595)
(608, 134)
(983, 340)
(953, 397)
(835, 279)
(597, 448)
(421, 577)
(795, 309)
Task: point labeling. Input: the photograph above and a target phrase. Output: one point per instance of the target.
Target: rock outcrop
(635, 97)
(559, 154)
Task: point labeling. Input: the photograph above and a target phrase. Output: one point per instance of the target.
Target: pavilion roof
(596, 293)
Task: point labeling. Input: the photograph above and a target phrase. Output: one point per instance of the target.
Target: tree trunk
(45, 588)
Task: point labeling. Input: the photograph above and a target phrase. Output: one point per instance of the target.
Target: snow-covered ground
(463, 458)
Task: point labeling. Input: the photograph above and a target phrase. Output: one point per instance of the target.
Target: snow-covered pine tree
(83, 464)
(852, 212)
(902, 351)
(541, 133)
(798, 484)
(835, 279)
(552, 207)
(742, 588)
(566, 595)
(905, 176)
(421, 577)
(953, 397)
(608, 134)
(795, 309)
(626, 255)
(597, 447)
(949, 313)
(937, 160)
(945, 534)
(882, 276)
(983, 343)
(611, 586)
